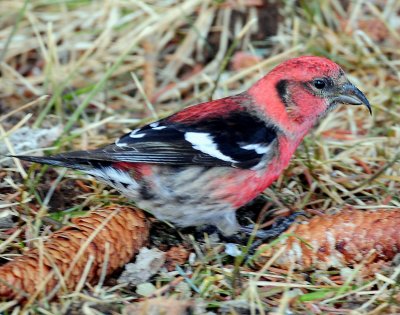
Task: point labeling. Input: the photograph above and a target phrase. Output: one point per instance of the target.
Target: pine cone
(339, 240)
(59, 264)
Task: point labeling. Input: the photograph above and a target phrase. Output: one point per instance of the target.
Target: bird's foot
(280, 225)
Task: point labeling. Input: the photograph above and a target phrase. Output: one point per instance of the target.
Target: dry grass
(107, 66)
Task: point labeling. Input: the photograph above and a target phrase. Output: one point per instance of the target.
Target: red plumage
(199, 165)
(217, 108)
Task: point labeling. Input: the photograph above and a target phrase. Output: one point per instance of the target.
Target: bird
(198, 166)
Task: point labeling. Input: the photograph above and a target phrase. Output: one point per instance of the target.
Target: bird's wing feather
(229, 135)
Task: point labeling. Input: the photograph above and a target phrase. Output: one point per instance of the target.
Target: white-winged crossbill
(198, 166)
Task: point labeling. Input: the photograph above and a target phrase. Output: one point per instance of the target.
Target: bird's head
(307, 88)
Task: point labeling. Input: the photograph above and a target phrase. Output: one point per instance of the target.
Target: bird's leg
(227, 223)
(230, 231)
(279, 226)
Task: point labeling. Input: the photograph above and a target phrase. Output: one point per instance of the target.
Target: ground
(78, 74)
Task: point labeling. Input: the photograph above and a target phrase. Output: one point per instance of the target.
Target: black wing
(236, 138)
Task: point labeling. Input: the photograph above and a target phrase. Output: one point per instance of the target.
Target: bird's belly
(195, 195)
(179, 194)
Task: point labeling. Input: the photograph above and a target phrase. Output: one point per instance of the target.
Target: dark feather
(56, 161)
(233, 133)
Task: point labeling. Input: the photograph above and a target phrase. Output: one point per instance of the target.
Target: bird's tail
(58, 160)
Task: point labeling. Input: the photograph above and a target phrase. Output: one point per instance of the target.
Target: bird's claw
(280, 225)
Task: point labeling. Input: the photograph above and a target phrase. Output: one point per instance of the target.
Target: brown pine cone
(339, 240)
(60, 263)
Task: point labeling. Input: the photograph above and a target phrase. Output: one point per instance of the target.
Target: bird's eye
(319, 84)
